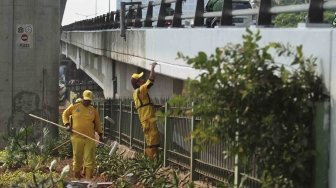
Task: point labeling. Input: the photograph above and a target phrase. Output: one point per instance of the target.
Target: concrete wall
(29, 60)
(6, 62)
(143, 46)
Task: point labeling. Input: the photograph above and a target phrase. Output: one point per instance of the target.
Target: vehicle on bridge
(217, 5)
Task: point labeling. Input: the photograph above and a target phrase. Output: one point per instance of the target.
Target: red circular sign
(24, 37)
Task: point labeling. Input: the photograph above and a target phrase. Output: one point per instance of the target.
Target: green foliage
(19, 152)
(138, 170)
(112, 167)
(32, 178)
(329, 16)
(242, 91)
(292, 19)
(23, 163)
(150, 173)
(289, 19)
(147, 170)
(18, 149)
(20, 178)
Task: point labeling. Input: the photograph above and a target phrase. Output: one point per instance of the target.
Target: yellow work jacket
(84, 119)
(143, 103)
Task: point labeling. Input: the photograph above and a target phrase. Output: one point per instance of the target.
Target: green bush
(242, 90)
(138, 170)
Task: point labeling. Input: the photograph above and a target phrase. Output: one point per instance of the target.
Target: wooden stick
(61, 145)
(37, 117)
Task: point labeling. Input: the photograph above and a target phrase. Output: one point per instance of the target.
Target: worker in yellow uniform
(146, 111)
(86, 121)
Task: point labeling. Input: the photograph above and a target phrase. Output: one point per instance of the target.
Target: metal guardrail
(134, 18)
(211, 164)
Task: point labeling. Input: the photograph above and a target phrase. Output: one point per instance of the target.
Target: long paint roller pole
(61, 145)
(34, 116)
(114, 146)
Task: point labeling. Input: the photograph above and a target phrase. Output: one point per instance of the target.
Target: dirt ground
(100, 181)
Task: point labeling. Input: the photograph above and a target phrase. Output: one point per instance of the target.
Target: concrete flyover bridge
(109, 48)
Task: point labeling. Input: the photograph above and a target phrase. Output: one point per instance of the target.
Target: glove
(68, 127)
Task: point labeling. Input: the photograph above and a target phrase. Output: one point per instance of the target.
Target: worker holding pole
(146, 111)
(85, 121)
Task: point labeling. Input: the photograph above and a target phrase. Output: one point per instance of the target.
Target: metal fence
(175, 133)
(131, 16)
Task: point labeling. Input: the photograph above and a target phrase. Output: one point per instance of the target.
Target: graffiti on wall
(25, 103)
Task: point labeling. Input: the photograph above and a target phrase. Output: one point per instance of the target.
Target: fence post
(109, 112)
(199, 19)
(165, 136)
(177, 14)
(137, 22)
(264, 16)
(315, 11)
(226, 18)
(98, 108)
(129, 16)
(162, 14)
(122, 19)
(236, 164)
(192, 154)
(149, 15)
(131, 125)
(103, 118)
(119, 122)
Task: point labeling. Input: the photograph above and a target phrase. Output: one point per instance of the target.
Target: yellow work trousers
(151, 132)
(152, 138)
(84, 153)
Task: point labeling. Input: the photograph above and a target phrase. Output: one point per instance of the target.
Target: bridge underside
(114, 76)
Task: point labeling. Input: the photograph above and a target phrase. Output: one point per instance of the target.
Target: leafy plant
(111, 167)
(138, 170)
(292, 19)
(34, 178)
(243, 94)
(17, 150)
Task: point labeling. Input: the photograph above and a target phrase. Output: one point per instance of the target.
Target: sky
(76, 10)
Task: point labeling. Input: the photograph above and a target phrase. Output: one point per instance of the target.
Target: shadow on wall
(25, 103)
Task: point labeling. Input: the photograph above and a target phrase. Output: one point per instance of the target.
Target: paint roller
(114, 145)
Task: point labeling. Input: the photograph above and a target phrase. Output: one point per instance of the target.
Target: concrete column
(6, 59)
(29, 60)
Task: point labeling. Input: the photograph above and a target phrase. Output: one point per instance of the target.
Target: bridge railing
(134, 18)
(176, 143)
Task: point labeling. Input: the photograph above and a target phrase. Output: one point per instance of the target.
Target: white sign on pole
(25, 34)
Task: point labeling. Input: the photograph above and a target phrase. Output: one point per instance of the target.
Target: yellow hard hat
(87, 95)
(137, 76)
